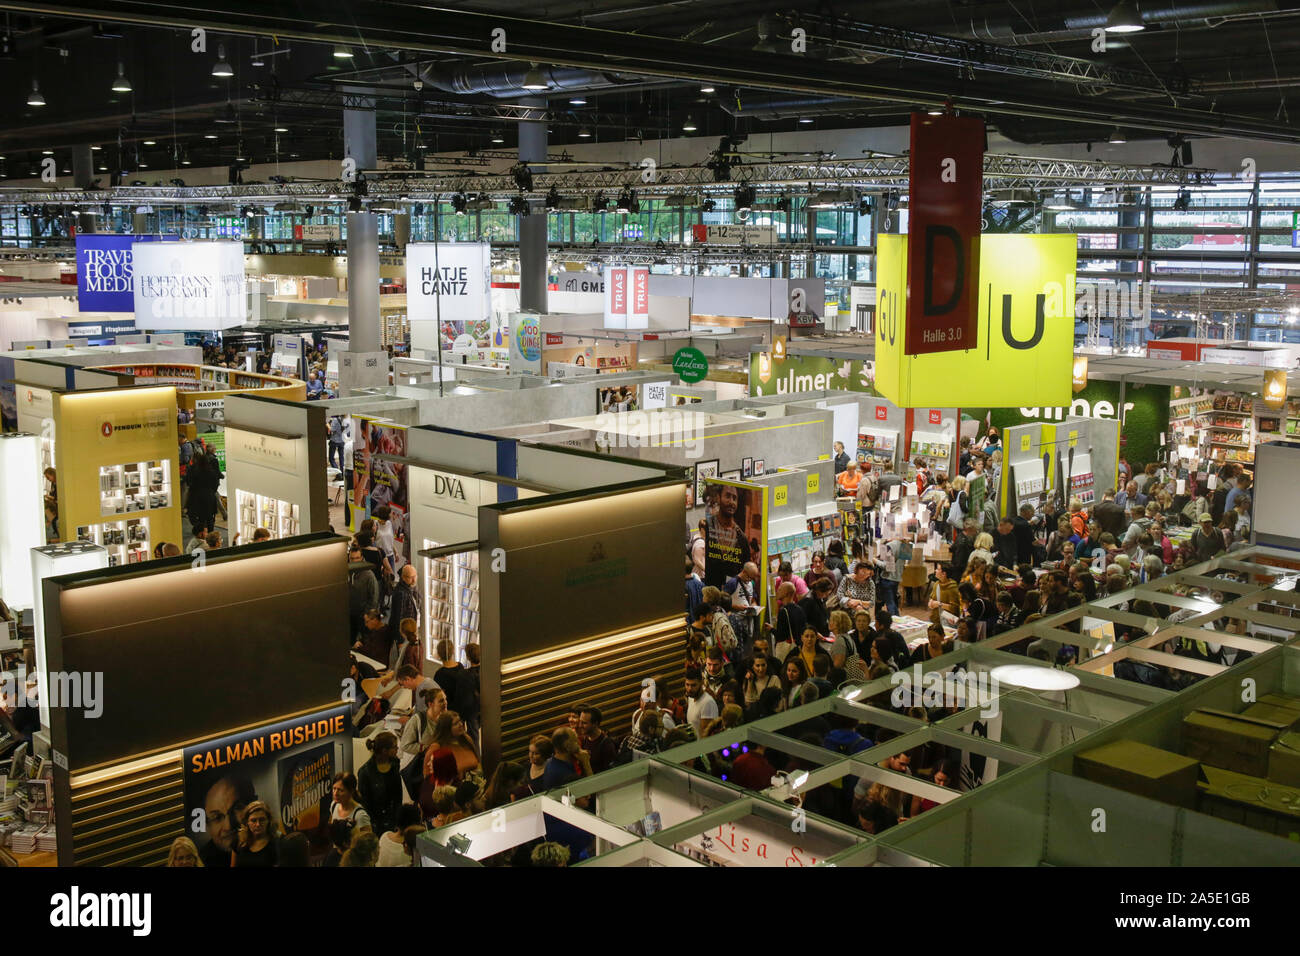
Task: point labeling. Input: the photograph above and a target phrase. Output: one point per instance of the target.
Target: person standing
(336, 437)
(204, 480)
(379, 781)
(841, 457)
(406, 599)
(258, 842)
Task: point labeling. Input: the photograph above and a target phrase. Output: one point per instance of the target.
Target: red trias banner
(640, 293)
(943, 232)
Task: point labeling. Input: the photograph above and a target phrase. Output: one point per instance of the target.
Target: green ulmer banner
(808, 373)
(1147, 415)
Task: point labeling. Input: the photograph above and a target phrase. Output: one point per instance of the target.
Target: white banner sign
(627, 297)
(189, 285)
(736, 235)
(280, 454)
(450, 281)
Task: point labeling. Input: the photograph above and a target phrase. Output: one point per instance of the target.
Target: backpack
(724, 634)
(957, 510)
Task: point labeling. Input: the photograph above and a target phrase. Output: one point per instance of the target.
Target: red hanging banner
(945, 203)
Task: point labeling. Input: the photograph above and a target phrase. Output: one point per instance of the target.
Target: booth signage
(97, 329)
(945, 203)
(616, 298)
(104, 272)
(448, 281)
(316, 233)
(149, 421)
(1275, 388)
(279, 454)
(690, 365)
(189, 285)
(1026, 318)
(554, 338)
(627, 297)
(526, 338)
(805, 373)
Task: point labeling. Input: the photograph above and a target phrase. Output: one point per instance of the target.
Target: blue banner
(104, 272)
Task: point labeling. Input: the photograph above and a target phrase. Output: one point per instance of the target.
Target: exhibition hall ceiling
(132, 78)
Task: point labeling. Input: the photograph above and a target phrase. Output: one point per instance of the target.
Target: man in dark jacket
(1006, 548)
(363, 589)
(1024, 532)
(406, 599)
(789, 619)
(1110, 516)
(964, 546)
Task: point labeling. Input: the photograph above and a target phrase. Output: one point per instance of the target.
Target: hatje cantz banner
(448, 281)
(195, 286)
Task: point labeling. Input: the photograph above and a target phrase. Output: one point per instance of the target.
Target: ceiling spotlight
(518, 206)
(744, 196)
(934, 111)
(627, 201)
(93, 149)
(1117, 136)
(578, 100)
(1125, 18)
(282, 129)
(708, 205)
(458, 202)
(342, 52)
(523, 177)
(805, 119)
(35, 97)
(47, 152)
(209, 135)
(830, 198)
(689, 126)
(354, 204)
(1183, 201)
(1058, 203)
(149, 142)
(185, 161)
(121, 84)
(552, 199)
(864, 206)
(221, 67)
(600, 203)
(497, 137)
(533, 79)
(584, 133)
(707, 88)
(257, 58)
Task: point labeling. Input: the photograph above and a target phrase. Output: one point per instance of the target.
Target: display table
(1252, 801)
(40, 858)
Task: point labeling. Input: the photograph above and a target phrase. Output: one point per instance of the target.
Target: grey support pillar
(363, 237)
(363, 282)
(532, 229)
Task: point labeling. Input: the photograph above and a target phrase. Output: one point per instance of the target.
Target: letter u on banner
(945, 194)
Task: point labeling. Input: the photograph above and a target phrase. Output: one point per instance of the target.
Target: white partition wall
(275, 467)
(22, 518)
(48, 562)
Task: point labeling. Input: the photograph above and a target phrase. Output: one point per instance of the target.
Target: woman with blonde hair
(842, 646)
(364, 850)
(983, 549)
(183, 852)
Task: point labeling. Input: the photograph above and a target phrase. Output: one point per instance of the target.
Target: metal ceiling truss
(875, 173)
(435, 108)
(914, 46)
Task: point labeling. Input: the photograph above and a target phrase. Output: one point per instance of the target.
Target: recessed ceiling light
(1125, 18)
(533, 79)
(706, 88)
(47, 152)
(96, 148)
(584, 133)
(1117, 136)
(342, 52)
(144, 165)
(121, 84)
(578, 101)
(209, 135)
(689, 126)
(282, 129)
(805, 119)
(35, 97)
(497, 137)
(149, 142)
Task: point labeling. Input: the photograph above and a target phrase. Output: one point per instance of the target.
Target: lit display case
(126, 541)
(253, 511)
(135, 486)
(451, 598)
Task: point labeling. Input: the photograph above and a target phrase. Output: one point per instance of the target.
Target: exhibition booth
(255, 716)
(1038, 746)
(275, 467)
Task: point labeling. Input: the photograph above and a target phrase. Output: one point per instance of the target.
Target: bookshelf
(253, 511)
(451, 599)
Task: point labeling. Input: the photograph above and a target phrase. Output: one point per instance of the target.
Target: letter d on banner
(946, 195)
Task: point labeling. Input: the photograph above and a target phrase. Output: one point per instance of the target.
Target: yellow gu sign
(1024, 347)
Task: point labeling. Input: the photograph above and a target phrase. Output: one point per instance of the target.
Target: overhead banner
(289, 766)
(1026, 321)
(627, 297)
(104, 272)
(448, 281)
(189, 285)
(945, 203)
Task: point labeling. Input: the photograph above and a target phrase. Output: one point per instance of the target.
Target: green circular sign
(690, 365)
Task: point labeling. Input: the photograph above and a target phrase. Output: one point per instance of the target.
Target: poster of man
(289, 766)
(735, 532)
